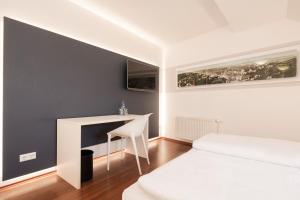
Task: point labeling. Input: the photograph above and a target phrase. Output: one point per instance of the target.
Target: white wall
(267, 110)
(224, 43)
(66, 18)
(1, 95)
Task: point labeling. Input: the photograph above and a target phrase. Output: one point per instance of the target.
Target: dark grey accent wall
(49, 76)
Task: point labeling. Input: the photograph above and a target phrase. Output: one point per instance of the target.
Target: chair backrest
(146, 117)
(140, 123)
(135, 127)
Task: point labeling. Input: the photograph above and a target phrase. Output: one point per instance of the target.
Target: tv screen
(141, 76)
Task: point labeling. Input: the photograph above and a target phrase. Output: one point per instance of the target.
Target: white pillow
(276, 151)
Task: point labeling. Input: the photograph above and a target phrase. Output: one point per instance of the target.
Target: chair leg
(108, 149)
(122, 146)
(136, 154)
(124, 143)
(145, 148)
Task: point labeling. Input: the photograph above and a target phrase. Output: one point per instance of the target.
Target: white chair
(132, 130)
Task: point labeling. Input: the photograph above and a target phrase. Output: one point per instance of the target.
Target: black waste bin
(86, 165)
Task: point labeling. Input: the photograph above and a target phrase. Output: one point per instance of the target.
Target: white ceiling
(294, 9)
(244, 14)
(170, 21)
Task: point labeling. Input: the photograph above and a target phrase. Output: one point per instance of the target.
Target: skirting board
(178, 140)
(99, 150)
(27, 176)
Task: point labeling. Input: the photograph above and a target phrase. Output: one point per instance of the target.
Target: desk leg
(139, 143)
(69, 152)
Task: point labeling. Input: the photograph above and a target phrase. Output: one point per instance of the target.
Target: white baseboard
(27, 176)
(154, 138)
(99, 150)
(179, 139)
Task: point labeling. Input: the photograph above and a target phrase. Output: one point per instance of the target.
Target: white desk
(69, 144)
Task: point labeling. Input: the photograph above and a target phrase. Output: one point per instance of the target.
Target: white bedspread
(205, 175)
(275, 151)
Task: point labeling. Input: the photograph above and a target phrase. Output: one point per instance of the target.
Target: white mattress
(134, 192)
(201, 174)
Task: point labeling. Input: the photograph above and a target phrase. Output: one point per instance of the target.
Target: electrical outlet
(27, 156)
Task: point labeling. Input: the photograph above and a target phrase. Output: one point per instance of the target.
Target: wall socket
(27, 156)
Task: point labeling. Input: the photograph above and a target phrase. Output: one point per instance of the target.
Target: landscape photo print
(275, 66)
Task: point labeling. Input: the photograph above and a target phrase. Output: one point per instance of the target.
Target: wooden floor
(105, 185)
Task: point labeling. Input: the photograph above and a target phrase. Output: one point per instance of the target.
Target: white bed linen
(263, 149)
(134, 192)
(205, 175)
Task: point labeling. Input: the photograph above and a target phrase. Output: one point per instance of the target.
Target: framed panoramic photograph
(263, 68)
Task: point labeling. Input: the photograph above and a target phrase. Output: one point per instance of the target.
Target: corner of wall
(162, 94)
(1, 94)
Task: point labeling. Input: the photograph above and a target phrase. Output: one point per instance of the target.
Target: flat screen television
(141, 76)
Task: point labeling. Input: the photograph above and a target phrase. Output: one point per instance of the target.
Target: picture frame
(278, 67)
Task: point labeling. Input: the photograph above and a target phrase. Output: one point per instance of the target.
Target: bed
(225, 167)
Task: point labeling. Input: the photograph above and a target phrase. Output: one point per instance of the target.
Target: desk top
(98, 119)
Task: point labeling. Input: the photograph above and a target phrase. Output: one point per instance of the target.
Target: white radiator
(194, 128)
